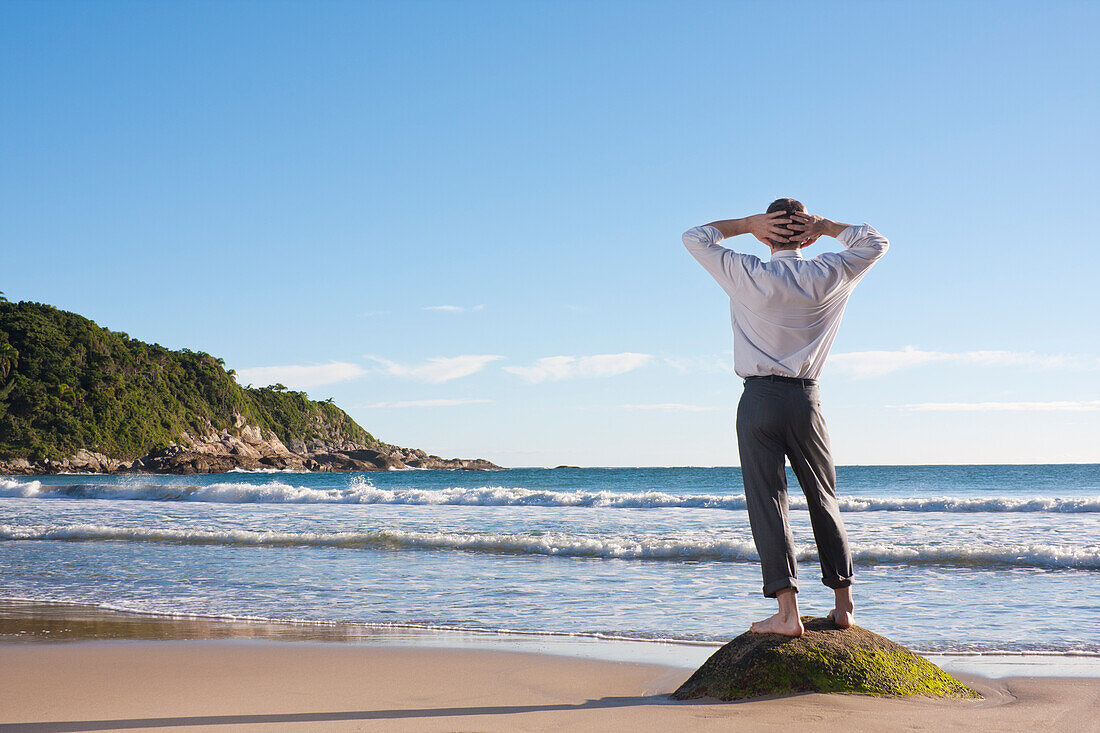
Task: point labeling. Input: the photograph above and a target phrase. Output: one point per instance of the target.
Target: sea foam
(551, 544)
(362, 491)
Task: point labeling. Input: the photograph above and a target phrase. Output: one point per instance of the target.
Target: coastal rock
(357, 460)
(416, 458)
(19, 467)
(83, 461)
(249, 449)
(824, 659)
(183, 461)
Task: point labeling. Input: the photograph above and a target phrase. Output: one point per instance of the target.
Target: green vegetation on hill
(67, 384)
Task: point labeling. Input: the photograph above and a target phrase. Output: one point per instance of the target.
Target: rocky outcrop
(83, 461)
(824, 659)
(248, 447)
(361, 459)
(416, 458)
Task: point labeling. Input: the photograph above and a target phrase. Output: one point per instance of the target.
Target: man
(785, 315)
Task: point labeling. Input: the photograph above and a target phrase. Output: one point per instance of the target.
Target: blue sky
(462, 220)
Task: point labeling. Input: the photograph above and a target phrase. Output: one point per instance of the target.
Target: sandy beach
(215, 685)
(66, 667)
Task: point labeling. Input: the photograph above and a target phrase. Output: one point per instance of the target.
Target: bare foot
(841, 619)
(779, 624)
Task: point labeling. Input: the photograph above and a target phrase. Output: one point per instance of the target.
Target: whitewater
(1039, 556)
(362, 491)
(947, 558)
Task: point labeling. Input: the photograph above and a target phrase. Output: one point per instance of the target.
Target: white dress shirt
(786, 312)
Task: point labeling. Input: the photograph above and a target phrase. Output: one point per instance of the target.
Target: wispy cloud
(421, 403)
(372, 314)
(438, 369)
(671, 407)
(452, 308)
(1065, 406)
(552, 368)
(877, 363)
(298, 376)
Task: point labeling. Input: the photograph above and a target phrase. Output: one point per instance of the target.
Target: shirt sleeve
(863, 247)
(725, 266)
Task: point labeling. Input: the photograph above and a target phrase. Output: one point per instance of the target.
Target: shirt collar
(787, 254)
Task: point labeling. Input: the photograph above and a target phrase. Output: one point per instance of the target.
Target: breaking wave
(362, 491)
(555, 544)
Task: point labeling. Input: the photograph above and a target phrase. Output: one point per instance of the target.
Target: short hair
(789, 206)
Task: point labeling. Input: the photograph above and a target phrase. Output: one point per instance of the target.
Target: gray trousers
(777, 420)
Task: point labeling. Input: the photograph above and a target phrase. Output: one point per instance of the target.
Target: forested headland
(74, 395)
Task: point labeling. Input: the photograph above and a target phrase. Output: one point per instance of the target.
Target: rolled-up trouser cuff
(837, 582)
(772, 588)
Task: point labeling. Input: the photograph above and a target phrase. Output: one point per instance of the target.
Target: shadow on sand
(322, 717)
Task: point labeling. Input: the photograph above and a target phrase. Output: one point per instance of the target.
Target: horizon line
(839, 465)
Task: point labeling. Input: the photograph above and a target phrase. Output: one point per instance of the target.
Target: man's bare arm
(768, 228)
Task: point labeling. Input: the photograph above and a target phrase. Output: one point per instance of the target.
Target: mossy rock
(824, 659)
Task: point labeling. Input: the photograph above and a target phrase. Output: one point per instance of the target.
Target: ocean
(948, 559)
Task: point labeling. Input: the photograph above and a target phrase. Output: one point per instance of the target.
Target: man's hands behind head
(781, 229)
(792, 230)
(769, 228)
(808, 227)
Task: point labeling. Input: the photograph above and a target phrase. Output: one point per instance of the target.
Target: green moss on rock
(824, 659)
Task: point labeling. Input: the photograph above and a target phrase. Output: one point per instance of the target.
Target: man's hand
(765, 227)
(808, 227)
(769, 228)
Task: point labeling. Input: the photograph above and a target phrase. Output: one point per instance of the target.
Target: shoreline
(337, 462)
(30, 622)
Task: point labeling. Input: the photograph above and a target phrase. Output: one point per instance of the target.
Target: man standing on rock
(785, 314)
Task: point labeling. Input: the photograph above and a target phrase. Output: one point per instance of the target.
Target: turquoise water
(948, 558)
